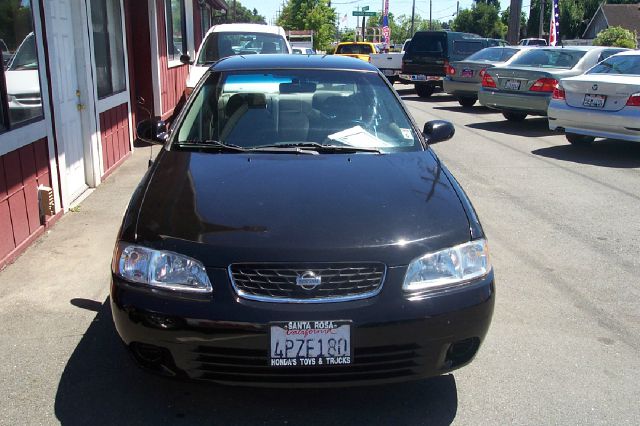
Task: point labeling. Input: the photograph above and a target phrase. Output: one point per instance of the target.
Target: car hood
(226, 208)
(22, 81)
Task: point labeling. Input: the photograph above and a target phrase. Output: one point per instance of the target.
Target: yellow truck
(360, 50)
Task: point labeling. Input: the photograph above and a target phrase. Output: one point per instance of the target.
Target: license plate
(388, 72)
(310, 343)
(418, 77)
(594, 101)
(512, 84)
(466, 73)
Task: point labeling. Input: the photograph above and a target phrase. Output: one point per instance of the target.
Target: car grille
(251, 365)
(279, 283)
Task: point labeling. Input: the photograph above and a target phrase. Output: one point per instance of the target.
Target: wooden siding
(197, 25)
(114, 136)
(21, 171)
(172, 80)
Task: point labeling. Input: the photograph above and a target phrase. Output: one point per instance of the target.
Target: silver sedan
(464, 77)
(524, 87)
(602, 103)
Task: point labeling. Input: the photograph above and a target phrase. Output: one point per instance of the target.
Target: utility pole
(413, 14)
(234, 11)
(430, 10)
(457, 8)
(515, 10)
(541, 17)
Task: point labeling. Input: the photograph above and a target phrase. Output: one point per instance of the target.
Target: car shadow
(101, 385)
(604, 153)
(532, 127)
(476, 109)
(436, 97)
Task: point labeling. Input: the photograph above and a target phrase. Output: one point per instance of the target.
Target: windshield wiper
(318, 147)
(211, 145)
(215, 145)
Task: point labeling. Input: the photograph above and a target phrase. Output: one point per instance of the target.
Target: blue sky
(442, 9)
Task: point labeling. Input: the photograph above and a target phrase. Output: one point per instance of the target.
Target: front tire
(514, 116)
(467, 102)
(424, 90)
(579, 140)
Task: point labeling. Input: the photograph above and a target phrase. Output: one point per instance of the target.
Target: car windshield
(354, 49)
(223, 44)
(321, 108)
(549, 58)
(493, 54)
(624, 64)
(26, 57)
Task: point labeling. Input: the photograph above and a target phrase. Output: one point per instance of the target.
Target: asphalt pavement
(564, 230)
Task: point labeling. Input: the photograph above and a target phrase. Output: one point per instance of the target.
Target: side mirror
(186, 59)
(152, 131)
(438, 130)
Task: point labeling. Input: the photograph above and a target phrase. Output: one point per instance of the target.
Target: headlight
(161, 269)
(449, 266)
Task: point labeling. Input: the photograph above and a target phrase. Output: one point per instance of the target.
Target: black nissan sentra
(297, 230)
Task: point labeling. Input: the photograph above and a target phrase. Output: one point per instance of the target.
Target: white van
(235, 39)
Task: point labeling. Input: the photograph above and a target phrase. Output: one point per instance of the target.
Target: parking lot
(564, 227)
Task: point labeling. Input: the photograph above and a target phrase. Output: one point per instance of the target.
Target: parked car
(23, 82)
(525, 86)
(390, 64)
(234, 39)
(427, 59)
(533, 42)
(359, 50)
(296, 230)
(604, 102)
(464, 77)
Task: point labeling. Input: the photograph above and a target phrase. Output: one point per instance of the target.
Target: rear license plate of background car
(512, 84)
(310, 343)
(594, 101)
(388, 72)
(467, 73)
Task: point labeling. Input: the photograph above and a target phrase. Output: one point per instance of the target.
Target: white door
(66, 96)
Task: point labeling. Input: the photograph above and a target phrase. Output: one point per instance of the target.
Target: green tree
(239, 14)
(616, 36)
(314, 15)
(482, 19)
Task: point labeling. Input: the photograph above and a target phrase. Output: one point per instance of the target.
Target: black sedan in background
(296, 229)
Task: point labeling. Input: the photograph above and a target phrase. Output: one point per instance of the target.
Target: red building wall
(172, 80)
(21, 171)
(114, 136)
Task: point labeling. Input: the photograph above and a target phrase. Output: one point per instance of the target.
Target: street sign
(360, 13)
(364, 8)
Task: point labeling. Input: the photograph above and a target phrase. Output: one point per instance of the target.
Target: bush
(616, 36)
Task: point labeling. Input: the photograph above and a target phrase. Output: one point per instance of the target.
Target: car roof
(280, 61)
(627, 53)
(246, 28)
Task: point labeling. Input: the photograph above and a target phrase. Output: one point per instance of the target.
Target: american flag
(554, 30)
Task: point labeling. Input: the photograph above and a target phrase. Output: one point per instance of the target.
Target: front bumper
(225, 339)
(527, 102)
(460, 88)
(623, 124)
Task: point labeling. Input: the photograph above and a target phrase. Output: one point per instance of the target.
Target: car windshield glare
(624, 64)
(334, 108)
(493, 54)
(549, 58)
(223, 44)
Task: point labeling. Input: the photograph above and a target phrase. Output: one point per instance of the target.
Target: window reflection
(20, 63)
(106, 20)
